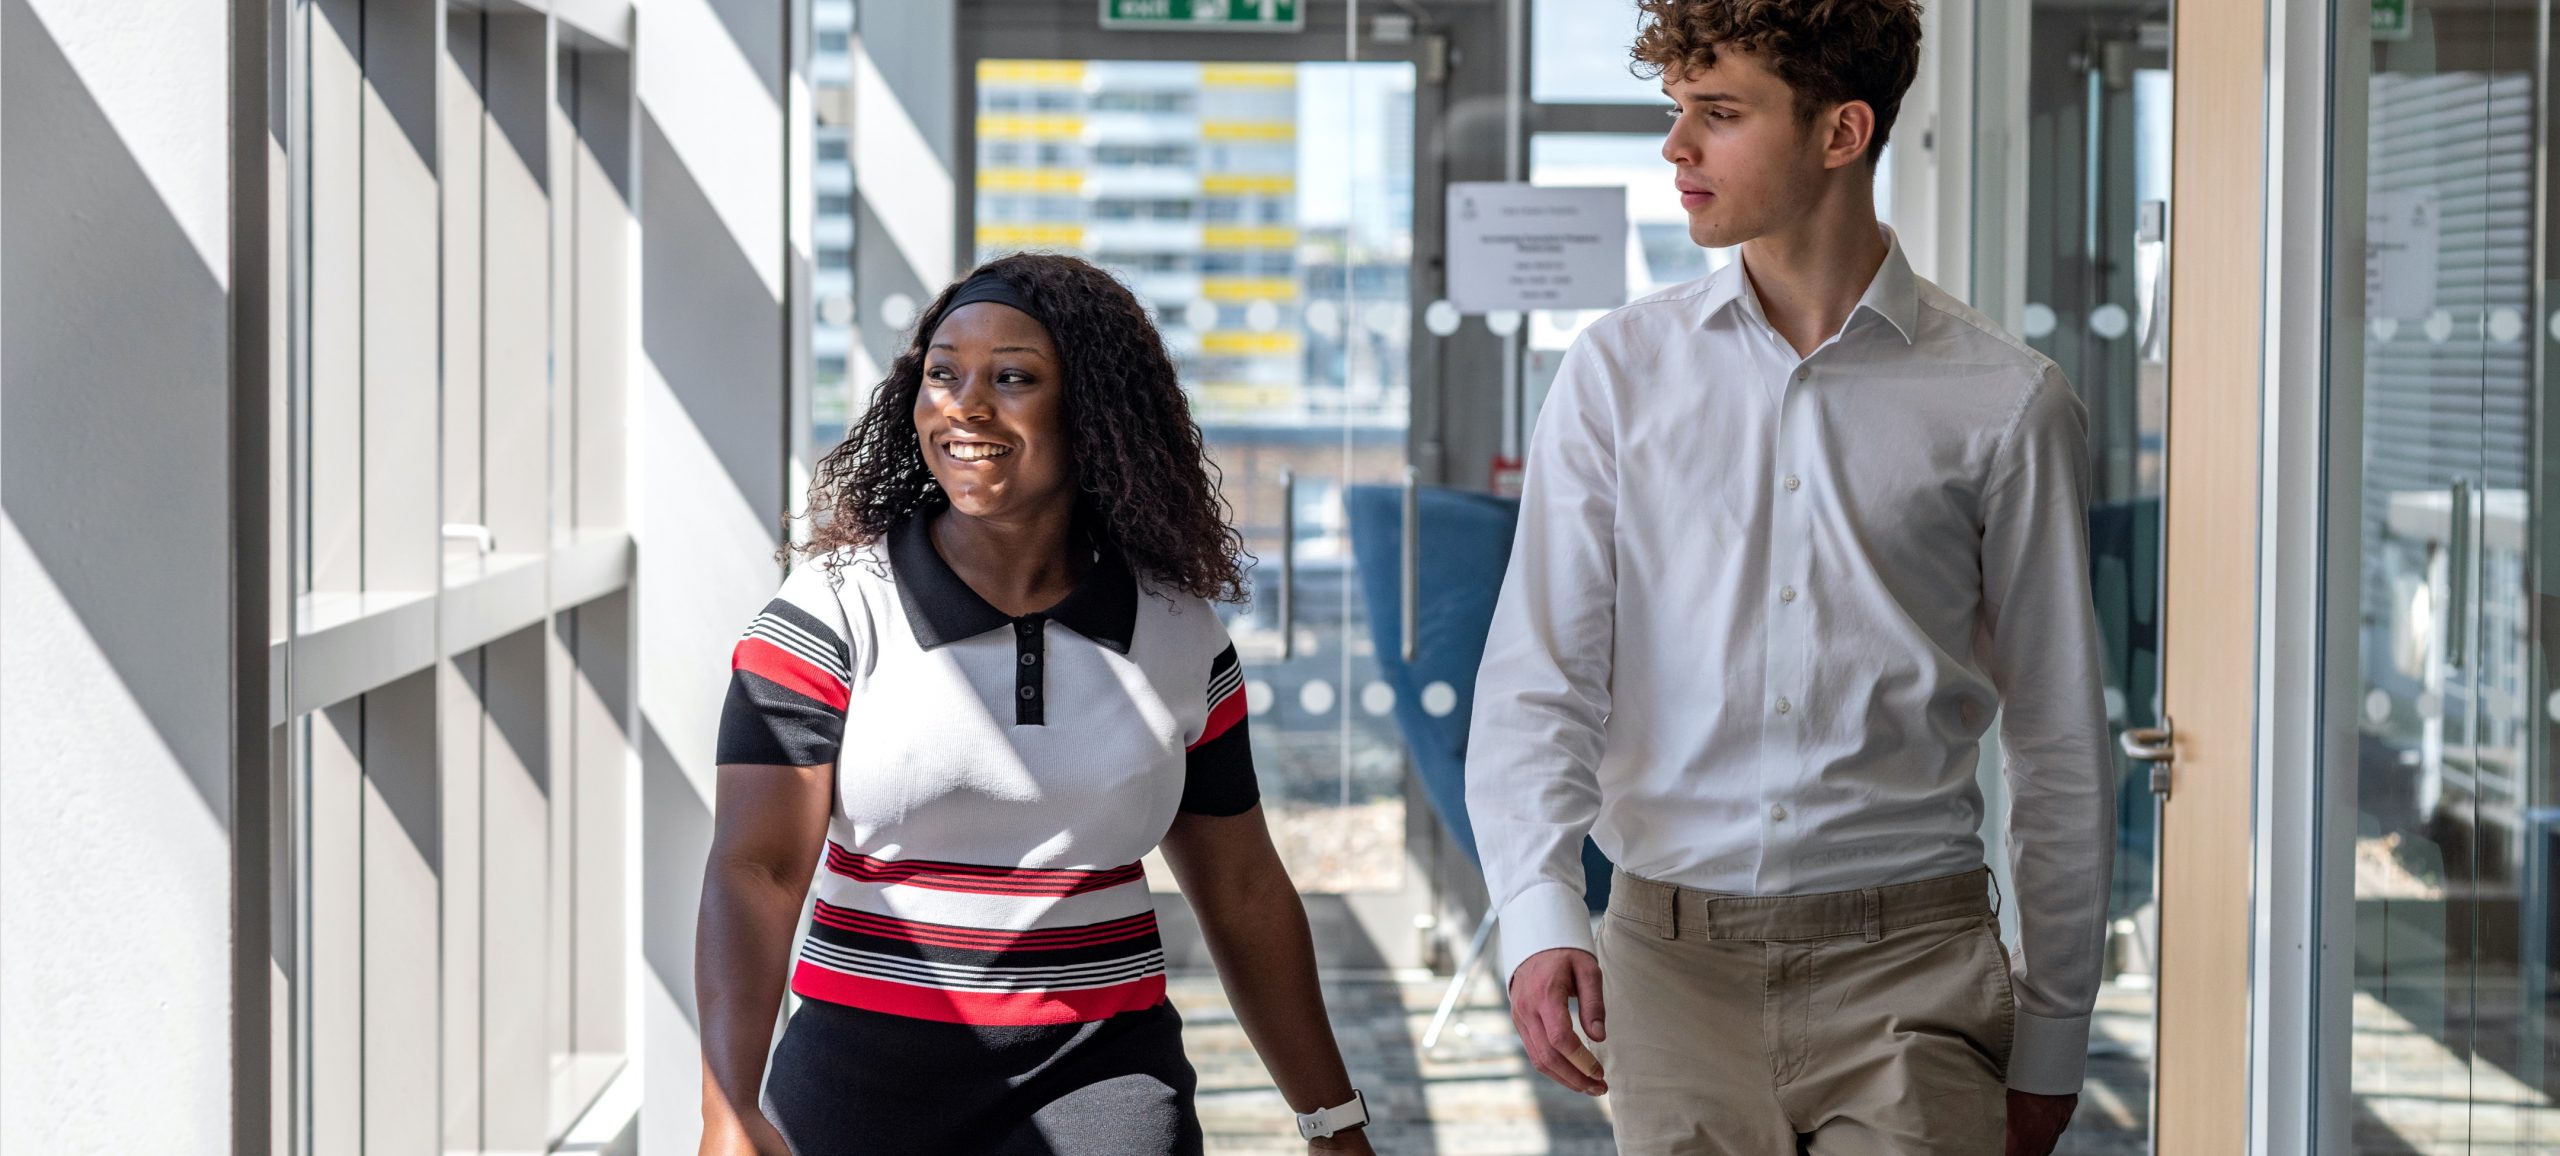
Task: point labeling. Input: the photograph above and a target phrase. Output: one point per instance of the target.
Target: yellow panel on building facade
(1068, 181)
(1038, 236)
(1036, 73)
(1248, 130)
(1248, 76)
(1232, 397)
(1245, 343)
(1243, 184)
(1248, 237)
(1004, 127)
(1249, 289)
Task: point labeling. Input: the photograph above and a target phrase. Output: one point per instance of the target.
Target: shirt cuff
(1546, 915)
(2048, 1057)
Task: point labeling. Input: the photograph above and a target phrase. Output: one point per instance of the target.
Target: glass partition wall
(2069, 179)
(1263, 212)
(2441, 135)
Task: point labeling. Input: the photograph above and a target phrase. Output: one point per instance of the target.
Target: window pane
(1578, 53)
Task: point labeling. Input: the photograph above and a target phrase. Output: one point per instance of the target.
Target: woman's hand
(750, 1135)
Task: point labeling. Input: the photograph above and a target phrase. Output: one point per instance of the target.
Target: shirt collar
(1893, 294)
(942, 609)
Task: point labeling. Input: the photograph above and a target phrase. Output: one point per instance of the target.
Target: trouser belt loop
(1670, 910)
(1871, 913)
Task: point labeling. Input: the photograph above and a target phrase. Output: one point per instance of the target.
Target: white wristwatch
(1324, 1122)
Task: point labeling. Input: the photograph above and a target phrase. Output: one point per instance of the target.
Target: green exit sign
(2391, 19)
(1200, 15)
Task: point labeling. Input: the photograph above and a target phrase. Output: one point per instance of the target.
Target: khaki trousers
(1851, 1023)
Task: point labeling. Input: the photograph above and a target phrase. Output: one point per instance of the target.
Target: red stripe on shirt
(789, 671)
(1008, 1008)
(1222, 717)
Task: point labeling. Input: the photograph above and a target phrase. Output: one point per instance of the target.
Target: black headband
(987, 285)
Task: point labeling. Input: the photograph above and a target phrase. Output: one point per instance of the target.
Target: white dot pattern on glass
(1316, 697)
(1441, 318)
(1377, 698)
(1438, 699)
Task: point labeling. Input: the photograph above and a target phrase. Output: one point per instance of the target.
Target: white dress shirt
(1763, 607)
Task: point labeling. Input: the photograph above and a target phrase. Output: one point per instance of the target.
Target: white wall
(709, 462)
(115, 713)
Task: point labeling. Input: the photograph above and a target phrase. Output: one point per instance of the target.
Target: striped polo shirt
(997, 778)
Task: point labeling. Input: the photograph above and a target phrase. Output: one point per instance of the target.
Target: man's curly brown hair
(1830, 52)
(1140, 468)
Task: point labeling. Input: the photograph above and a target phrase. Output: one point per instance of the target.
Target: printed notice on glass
(1519, 246)
(2403, 244)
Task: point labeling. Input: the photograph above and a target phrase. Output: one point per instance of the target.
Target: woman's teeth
(976, 451)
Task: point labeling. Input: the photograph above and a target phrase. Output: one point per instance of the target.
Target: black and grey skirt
(847, 1080)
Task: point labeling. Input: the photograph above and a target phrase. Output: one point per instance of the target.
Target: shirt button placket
(1028, 647)
(1790, 647)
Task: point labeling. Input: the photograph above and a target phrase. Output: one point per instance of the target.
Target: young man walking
(1792, 536)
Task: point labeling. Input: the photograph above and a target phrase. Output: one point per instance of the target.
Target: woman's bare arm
(1257, 934)
(768, 825)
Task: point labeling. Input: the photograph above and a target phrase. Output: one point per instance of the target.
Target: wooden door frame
(2210, 629)
(2257, 885)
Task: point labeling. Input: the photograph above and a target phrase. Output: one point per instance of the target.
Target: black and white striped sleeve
(790, 677)
(1219, 779)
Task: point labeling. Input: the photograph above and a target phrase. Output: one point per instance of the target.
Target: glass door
(2441, 125)
(1263, 211)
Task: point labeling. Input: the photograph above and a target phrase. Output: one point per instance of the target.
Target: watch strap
(1325, 1122)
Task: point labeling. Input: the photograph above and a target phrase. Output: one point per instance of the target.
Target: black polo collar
(942, 609)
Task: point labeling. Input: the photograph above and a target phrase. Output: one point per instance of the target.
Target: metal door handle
(2457, 571)
(1288, 564)
(2156, 746)
(1412, 558)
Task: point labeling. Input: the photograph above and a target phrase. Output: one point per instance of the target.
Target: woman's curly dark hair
(1141, 471)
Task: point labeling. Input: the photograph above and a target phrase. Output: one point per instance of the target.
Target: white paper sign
(1519, 246)
(2403, 241)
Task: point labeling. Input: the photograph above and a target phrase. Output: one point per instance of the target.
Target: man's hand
(2036, 1122)
(1538, 993)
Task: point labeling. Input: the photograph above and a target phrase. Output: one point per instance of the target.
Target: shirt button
(1793, 483)
(1778, 811)
(1787, 595)
(1028, 692)
(1804, 374)
(1784, 706)
(1030, 659)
